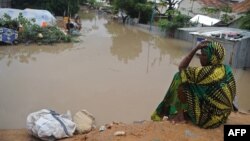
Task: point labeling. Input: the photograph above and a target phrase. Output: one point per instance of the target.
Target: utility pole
(152, 16)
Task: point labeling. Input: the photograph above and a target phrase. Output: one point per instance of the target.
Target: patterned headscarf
(215, 52)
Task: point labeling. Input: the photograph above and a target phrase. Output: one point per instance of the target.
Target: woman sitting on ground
(203, 94)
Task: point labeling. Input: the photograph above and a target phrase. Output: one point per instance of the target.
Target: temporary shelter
(13, 13)
(40, 16)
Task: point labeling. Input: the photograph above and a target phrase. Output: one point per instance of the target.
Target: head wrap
(215, 52)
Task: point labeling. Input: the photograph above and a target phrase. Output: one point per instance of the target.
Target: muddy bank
(143, 131)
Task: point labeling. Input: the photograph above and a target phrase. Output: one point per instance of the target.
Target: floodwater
(116, 72)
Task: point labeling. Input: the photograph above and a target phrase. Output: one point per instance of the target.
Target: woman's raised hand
(203, 44)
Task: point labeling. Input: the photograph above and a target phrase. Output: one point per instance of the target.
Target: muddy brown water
(116, 72)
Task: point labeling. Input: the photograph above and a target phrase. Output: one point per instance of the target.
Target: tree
(144, 10)
(226, 18)
(83, 1)
(178, 20)
(170, 4)
(210, 10)
(32, 32)
(132, 8)
(245, 21)
(162, 4)
(58, 7)
(92, 2)
(110, 1)
(123, 6)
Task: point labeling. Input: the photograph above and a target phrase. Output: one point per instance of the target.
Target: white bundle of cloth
(49, 125)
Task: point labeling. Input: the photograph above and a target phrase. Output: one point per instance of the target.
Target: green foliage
(32, 32)
(226, 18)
(92, 2)
(169, 3)
(58, 7)
(6, 21)
(126, 5)
(210, 10)
(170, 7)
(177, 21)
(245, 21)
(227, 9)
(83, 1)
(134, 8)
(163, 24)
(145, 11)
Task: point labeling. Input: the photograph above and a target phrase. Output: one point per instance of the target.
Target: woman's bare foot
(156, 117)
(179, 118)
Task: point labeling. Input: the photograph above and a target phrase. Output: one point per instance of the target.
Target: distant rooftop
(238, 6)
(241, 7)
(214, 3)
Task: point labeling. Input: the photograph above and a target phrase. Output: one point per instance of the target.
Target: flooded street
(116, 72)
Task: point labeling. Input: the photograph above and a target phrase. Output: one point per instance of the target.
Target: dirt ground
(142, 131)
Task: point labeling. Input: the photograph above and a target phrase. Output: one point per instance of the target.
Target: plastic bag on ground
(49, 125)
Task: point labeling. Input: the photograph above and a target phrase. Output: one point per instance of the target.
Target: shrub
(31, 32)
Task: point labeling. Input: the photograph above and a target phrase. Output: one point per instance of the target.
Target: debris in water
(139, 121)
(119, 133)
(188, 133)
(102, 128)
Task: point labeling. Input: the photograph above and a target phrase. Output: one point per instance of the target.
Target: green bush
(177, 21)
(32, 32)
(8, 23)
(135, 8)
(245, 21)
(57, 7)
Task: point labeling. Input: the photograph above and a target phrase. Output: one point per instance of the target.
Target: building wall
(184, 35)
(235, 24)
(190, 7)
(152, 29)
(242, 53)
(248, 56)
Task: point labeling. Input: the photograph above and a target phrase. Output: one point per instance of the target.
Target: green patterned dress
(209, 92)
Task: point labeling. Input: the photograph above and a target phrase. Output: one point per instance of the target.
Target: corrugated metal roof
(216, 32)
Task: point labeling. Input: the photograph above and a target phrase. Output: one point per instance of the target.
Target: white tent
(13, 13)
(40, 16)
(205, 20)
